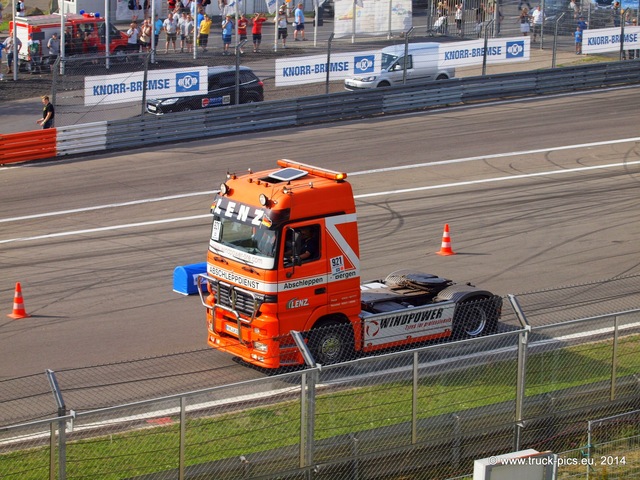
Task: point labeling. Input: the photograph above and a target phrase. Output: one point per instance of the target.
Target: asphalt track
(538, 194)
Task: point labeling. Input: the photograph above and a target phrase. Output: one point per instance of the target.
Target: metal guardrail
(182, 126)
(436, 408)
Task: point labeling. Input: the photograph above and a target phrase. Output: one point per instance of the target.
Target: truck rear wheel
(474, 318)
(331, 342)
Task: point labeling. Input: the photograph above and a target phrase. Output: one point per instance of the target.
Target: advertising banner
(128, 87)
(499, 50)
(608, 39)
(299, 70)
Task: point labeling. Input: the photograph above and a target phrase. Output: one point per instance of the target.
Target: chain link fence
(424, 413)
(547, 52)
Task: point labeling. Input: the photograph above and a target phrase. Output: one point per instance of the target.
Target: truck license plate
(231, 329)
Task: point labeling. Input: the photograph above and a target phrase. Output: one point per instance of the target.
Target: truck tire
(331, 342)
(475, 318)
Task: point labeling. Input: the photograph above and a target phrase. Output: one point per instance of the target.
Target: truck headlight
(261, 347)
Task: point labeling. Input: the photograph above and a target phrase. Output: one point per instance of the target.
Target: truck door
(302, 285)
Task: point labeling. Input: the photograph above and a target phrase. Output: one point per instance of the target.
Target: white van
(422, 66)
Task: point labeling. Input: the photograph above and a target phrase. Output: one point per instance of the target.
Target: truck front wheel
(474, 318)
(331, 342)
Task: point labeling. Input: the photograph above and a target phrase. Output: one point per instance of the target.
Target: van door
(425, 65)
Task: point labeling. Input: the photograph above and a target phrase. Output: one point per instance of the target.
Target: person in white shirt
(170, 26)
(537, 17)
(132, 37)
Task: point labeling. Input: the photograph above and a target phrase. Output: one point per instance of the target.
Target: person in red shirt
(242, 29)
(256, 30)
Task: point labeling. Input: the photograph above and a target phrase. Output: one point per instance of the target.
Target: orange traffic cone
(18, 304)
(445, 249)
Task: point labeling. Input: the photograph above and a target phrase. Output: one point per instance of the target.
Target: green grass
(227, 436)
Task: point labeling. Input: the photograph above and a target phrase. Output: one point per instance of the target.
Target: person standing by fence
(48, 113)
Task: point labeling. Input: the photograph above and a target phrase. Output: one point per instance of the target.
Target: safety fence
(425, 413)
(146, 130)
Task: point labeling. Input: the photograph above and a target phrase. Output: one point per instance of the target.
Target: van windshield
(388, 60)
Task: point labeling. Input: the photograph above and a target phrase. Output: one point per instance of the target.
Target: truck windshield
(388, 60)
(249, 244)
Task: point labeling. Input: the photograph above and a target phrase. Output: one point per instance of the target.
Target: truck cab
(260, 283)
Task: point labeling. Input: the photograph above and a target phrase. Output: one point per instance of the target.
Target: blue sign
(187, 82)
(515, 49)
(364, 64)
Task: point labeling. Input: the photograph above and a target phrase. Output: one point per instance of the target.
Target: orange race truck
(41, 27)
(263, 281)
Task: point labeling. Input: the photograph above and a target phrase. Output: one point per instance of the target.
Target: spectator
(8, 47)
(524, 21)
(479, 19)
(145, 34)
(157, 28)
(188, 28)
(242, 30)
(33, 48)
(20, 8)
(1, 8)
(205, 28)
(132, 37)
(256, 30)
(281, 18)
(615, 11)
(574, 9)
(183, 29)
(227, 31)
(170, 26)
(93, 41)
(537, 17)
(499, 18)
(298, 16)
(53, 46)
(582, 24)
(458, 17)
(48, 113)
(578, 37)
(77, 43)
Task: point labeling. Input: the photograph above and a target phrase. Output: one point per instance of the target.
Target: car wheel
(442, 77)
(475, 318)
(384, 84)
(331, 342)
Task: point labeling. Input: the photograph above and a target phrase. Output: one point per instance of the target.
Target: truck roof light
(319, 172)
(224, 189)
(263, 200)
